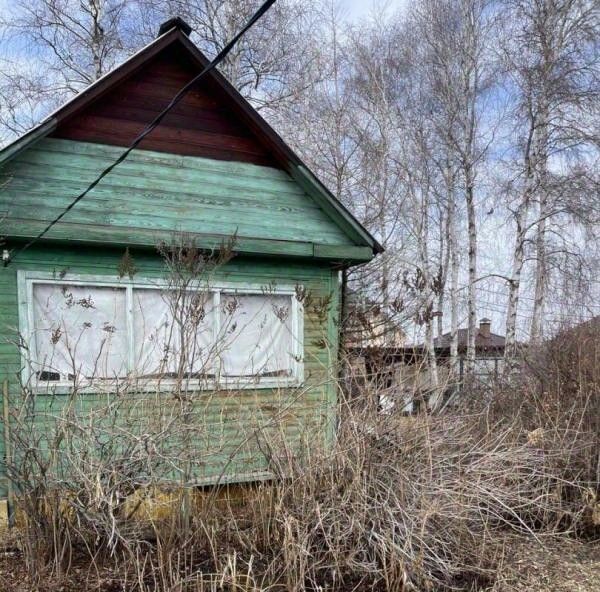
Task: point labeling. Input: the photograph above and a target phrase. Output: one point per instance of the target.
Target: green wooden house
(212, 170)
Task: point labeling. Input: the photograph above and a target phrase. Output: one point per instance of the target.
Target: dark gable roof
(584, 329)
(482, 342)
(284, 155)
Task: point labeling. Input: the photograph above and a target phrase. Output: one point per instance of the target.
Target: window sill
(165, 386)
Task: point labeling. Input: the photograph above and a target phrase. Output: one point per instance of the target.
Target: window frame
(27, 279)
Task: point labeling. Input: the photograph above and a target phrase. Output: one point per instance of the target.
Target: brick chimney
(175, 23)
(485, 328)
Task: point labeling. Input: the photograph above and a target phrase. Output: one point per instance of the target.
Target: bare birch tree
(378, 131)
(553, 63)
(419, 185)
(451, 265)
(455, 37)
(67, 45)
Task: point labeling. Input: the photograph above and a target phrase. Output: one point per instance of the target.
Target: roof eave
(28, 139)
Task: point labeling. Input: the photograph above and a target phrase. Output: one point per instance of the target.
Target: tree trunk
(514, 288)
(425, 264)
(435, 398)
(455, 268)
(454, 264)
(471, 90)
(443, 271)
(472, 293)
(97, 38)
(521, 217)
(544, 210)
(541, 277)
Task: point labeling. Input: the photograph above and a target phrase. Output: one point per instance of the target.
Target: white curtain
(83, 331)
(173, 333)
(256, 335)
(80, 331)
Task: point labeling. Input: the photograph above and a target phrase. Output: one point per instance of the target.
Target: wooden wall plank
(153, 194)
(227, 416)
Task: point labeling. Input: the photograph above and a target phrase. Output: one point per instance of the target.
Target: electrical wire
(151, 126)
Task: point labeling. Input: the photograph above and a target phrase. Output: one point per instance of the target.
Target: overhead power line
(151, 126)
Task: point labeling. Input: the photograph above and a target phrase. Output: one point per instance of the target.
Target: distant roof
(591, 326)
(482, 342)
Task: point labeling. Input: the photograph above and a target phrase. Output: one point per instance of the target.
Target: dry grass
(557, 564)
(448, 502)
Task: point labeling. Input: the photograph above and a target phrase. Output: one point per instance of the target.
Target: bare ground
(526, 565)
(550, 565)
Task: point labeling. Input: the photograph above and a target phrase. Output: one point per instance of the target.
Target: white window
(173, 334)
(78, 330)
(94, 331)
(257, 336)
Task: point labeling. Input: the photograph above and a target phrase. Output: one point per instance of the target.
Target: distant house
(489, 351)
(369, 332)
(400, 374)
(211, 170)
(367, 324)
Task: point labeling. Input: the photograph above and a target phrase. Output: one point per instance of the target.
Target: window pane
(173, 333)
(256, 335)
(79, 331)
(485, 366)
(500, 365)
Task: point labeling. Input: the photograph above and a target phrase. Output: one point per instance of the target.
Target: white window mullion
(295, 337)
(216, 333)
(31, 337)
(298, 337)
(130, 331)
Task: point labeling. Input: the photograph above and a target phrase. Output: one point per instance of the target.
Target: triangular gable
(230, 128)
(202, 124)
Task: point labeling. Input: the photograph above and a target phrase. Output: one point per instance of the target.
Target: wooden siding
(152, 195)
(309, 412)
(203, 123)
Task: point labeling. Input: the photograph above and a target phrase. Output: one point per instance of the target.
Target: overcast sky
(358, 8)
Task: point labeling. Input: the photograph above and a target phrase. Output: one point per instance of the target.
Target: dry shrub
(557, 401)
(419, 502)
(397, 503)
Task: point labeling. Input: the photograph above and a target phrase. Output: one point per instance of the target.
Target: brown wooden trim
(221, 136)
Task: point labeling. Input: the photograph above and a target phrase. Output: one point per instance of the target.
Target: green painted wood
(224, 451)
(156, 193)
(4, 486)
(123, 237)
(343, 253)
(29, 189)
